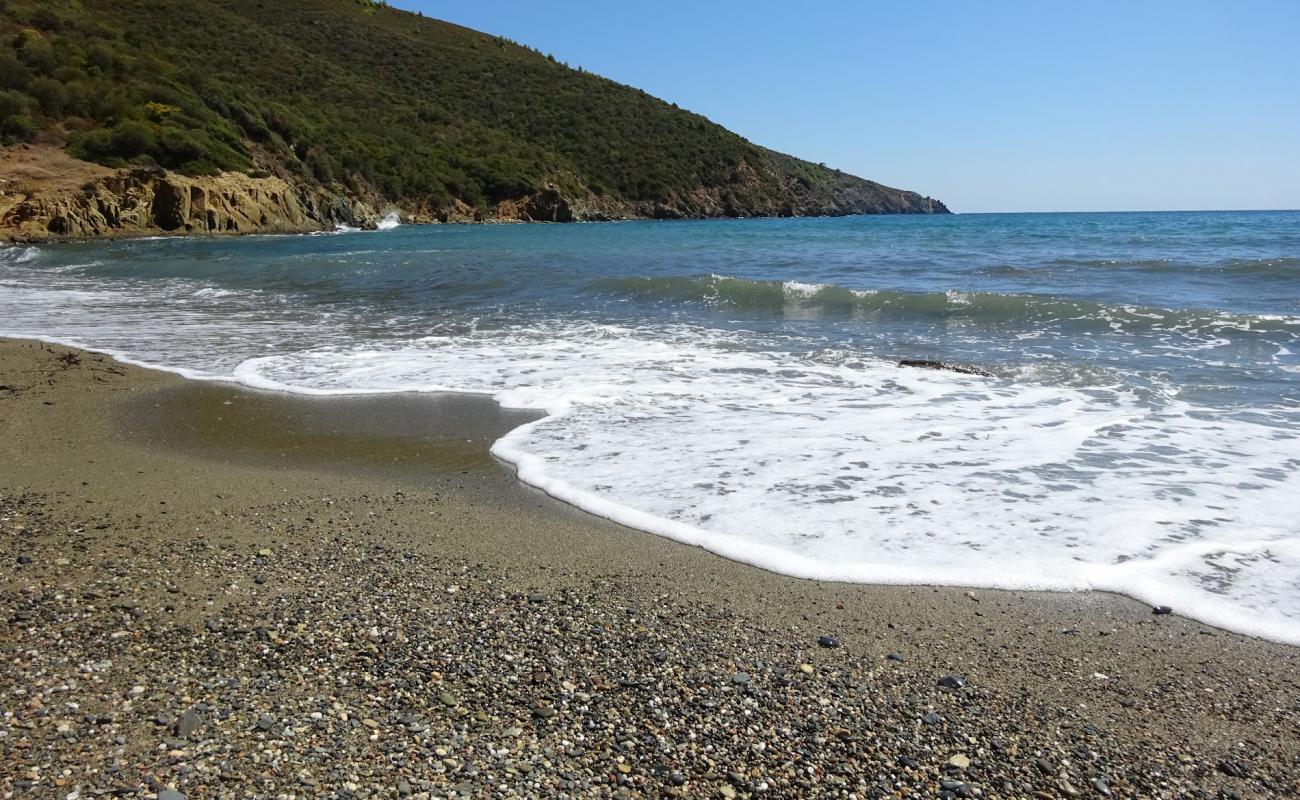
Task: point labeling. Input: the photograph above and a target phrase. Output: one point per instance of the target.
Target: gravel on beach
(300, 648)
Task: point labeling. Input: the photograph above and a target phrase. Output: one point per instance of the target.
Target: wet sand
(457, 632)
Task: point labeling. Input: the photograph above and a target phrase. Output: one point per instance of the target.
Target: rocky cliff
(45, 194)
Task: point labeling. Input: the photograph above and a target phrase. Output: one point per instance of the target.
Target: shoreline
(406, 481)
(484, 407)
(11, 240)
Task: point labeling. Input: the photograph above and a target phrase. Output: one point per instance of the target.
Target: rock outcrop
(964, 369)
(45, 194)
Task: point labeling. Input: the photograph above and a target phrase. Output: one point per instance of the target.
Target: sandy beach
(214, 592)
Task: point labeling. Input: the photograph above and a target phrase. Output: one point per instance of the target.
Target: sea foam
(872, 473)
(792, 453)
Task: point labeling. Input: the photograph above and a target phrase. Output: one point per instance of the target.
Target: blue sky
(989, 106)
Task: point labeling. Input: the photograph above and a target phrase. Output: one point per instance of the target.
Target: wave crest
(992, 308)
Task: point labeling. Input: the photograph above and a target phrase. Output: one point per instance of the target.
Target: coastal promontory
(252, 116)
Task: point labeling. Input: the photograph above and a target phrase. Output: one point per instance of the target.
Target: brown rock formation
(46, 194)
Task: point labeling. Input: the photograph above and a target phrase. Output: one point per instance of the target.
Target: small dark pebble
(932, 718)
(828, 641)
(24, 559)
(537, 597)
(1233, 769)
(895, 657)
(952, 682)
(1161, 610)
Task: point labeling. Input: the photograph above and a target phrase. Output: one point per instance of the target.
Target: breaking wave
(987, 308)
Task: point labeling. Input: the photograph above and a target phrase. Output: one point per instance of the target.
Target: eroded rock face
(46, 194)
(43, 202)
(142, 200)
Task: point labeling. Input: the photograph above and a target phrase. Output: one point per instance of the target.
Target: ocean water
(735, 384)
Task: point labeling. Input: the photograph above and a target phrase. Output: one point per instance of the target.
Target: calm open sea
(735, 384)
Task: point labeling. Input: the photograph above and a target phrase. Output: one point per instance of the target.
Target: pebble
(362, 677)
(1161, 610)
(828, 641)
(170, 794)
(188, 723)
(952, 682)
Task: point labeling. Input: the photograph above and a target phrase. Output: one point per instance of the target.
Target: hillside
(383, 108)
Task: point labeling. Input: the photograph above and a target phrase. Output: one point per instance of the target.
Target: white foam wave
(872, 473)
(799, 289)
(823, 465)
(391, 220)
(17, 254)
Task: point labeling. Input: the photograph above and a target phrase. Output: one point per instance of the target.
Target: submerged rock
(964, 369)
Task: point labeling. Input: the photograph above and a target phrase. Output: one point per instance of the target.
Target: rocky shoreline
(46, 195)
(187, 619)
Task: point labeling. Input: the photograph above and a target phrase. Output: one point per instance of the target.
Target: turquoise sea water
(734, 384)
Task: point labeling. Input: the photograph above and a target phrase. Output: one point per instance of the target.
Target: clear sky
(989, 106)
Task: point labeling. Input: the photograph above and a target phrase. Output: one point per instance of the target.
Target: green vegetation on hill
(353, 94)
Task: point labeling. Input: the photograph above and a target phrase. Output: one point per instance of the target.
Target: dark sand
(256, 559)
